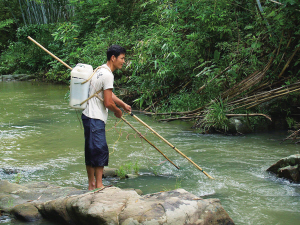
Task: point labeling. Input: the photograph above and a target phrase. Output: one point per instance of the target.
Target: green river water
(43, 138)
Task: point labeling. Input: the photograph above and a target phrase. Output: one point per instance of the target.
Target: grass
(127, 168)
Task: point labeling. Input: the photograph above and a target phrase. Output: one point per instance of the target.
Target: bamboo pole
(172, 146)
(264, 94)
(147, 141)
(288, 62)
(58, 59)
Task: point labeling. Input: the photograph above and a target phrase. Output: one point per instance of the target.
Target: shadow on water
(42, 139)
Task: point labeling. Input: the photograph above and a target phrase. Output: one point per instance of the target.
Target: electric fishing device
(79, 91)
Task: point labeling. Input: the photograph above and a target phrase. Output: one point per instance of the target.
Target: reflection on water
(41, 139)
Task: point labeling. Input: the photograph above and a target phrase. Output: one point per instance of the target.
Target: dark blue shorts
(96, 149)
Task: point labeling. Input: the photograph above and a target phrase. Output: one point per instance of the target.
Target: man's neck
(111, 66)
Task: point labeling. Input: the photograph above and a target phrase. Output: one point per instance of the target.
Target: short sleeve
(108, 81)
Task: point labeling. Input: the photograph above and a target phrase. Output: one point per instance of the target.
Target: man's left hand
(127, 108)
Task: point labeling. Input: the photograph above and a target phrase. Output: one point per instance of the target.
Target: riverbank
(16, 77)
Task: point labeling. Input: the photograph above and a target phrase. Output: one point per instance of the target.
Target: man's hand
(118, 114)
(127, 108)
(110, 104)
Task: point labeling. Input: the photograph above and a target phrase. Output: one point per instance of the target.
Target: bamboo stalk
(275, 96)
(251, 104)
(260, 98)
(263, 95)
(172, 146)
(148, 141)
(31, 39)
(288, 62)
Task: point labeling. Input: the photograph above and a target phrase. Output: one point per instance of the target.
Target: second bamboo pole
(172, 146)
(147, 141)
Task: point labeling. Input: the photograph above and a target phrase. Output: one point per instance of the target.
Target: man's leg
(91, 176)
(98, 175)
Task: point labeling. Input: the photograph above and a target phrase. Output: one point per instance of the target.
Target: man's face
(119, 61)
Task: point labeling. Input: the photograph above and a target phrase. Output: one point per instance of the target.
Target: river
(42, 138)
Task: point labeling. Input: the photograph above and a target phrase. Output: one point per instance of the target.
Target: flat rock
(115, 206)
(12, 194)
(112, 205)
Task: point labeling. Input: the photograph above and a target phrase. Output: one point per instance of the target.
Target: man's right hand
(118, 114)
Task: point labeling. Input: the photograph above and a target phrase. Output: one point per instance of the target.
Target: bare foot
(92, 186)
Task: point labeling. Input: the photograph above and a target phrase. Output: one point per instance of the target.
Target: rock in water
(288, 168)
(112, 205)
(26, 212)
(115, 206)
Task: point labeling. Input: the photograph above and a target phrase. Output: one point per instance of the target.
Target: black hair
(115, 50)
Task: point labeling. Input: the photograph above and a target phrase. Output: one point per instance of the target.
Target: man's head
(115, 50)
(115, 57)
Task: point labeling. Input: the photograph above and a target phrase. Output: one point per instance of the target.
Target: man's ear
(113, 58)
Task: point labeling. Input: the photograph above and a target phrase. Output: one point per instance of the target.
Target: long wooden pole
(31, 39)
(147, 141)
(172, 146)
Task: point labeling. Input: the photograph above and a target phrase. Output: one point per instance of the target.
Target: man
(95, 115)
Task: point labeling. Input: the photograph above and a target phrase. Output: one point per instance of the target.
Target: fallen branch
(180, 118)
(251, 114)
(228, 115)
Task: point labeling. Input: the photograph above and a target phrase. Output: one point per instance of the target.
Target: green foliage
(173, 47)
(23, 56)
(18, 178)
(216, 116)
(121, 172)
(127, 168)
(291, 122)
(136, 167)
(6, 23)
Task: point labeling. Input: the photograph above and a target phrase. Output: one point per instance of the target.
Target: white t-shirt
(103, 79)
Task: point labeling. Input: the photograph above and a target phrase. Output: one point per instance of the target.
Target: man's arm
(110, 103)
(120, 103)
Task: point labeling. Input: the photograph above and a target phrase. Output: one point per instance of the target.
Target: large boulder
(288, 168)
(112, 205)
(115, 206)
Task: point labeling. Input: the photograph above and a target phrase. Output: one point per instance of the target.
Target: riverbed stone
(288, 168)
(12, 194)
(239, 125)
(26, 212)
(109, 172)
